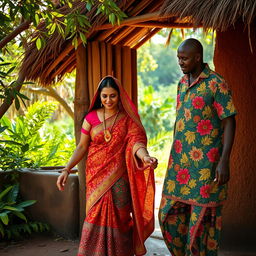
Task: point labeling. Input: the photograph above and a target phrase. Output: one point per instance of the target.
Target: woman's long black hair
(106, 82)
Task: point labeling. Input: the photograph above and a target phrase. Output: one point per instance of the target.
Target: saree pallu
(117, 220)
(190, 230)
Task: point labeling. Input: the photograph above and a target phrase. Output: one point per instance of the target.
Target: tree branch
(23, 26)
(53, 93)
(7, 103)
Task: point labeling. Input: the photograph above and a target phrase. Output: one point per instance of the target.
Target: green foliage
(7, 87)
(159, 147)
(157, 65)
(206, 38)
(13, 221)
(74, 25)
(157, 109)
(21, 137)
(32, 143)
(145, 60)
(12, 154)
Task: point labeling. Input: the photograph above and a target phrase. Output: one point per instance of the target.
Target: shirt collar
(204, 74)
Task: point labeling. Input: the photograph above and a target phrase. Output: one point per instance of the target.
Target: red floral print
(204, 127)
(198, 102)
(183, 176)
(205, 191)
(213, 155)
(178, 146)
(218, 108)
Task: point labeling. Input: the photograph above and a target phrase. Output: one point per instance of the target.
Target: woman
(119, 176)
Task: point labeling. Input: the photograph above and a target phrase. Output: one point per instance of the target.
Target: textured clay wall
(237, 64)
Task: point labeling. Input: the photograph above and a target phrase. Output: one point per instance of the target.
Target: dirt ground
(46, 245)
(42, 245)
(49, 245)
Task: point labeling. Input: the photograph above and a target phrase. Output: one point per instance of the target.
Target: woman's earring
(101, 105)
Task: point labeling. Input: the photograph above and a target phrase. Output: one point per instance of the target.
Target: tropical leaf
(6, 191)
(4, 217)
(12, 195)
(26, 203)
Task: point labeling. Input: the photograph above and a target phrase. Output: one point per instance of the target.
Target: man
(198, 169)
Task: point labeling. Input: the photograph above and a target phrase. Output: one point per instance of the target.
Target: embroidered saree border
(103, 188)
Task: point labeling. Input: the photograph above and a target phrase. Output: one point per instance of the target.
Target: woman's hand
(151, 161)
(62, 179)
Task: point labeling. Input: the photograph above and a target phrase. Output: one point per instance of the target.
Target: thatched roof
(215, 14)
(145, 19)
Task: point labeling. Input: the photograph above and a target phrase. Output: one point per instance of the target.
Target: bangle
(65, 170)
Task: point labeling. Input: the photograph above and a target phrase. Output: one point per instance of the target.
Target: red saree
(119, 191)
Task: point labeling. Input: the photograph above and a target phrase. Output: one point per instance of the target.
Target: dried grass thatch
(215, 14)
(146, 17)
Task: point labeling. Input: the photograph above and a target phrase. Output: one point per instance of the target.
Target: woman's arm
(144, 156)
(78, 154)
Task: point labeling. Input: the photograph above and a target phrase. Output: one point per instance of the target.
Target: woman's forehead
(108, 90)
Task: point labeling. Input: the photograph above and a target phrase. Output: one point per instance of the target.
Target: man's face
(188, 60)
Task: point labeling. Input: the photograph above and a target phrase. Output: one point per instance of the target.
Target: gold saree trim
(105, 186)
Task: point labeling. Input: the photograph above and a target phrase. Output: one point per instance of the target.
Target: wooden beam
(62, 67)
(146, 38)
(162, 25)
(103, 35)
(130, 36)
(121, 34)
(134, 20)
(136, 37)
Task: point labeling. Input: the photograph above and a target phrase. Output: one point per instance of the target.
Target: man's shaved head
(191, 45)
(190, 56)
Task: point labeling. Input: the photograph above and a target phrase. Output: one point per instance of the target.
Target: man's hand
(222, 172)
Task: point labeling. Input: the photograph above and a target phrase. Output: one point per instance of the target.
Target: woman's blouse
(93, 119)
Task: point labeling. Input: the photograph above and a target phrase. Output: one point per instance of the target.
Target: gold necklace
(107, 133)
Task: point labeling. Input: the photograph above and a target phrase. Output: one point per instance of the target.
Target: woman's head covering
(126, 102)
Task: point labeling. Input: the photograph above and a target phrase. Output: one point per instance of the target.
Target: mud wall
(234, 60)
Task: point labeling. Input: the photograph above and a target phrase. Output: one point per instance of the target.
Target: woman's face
(109, 98)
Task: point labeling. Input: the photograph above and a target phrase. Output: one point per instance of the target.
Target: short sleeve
(223, 101)
(86, 127)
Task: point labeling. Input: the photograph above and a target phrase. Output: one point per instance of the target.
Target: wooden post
(81, 105)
